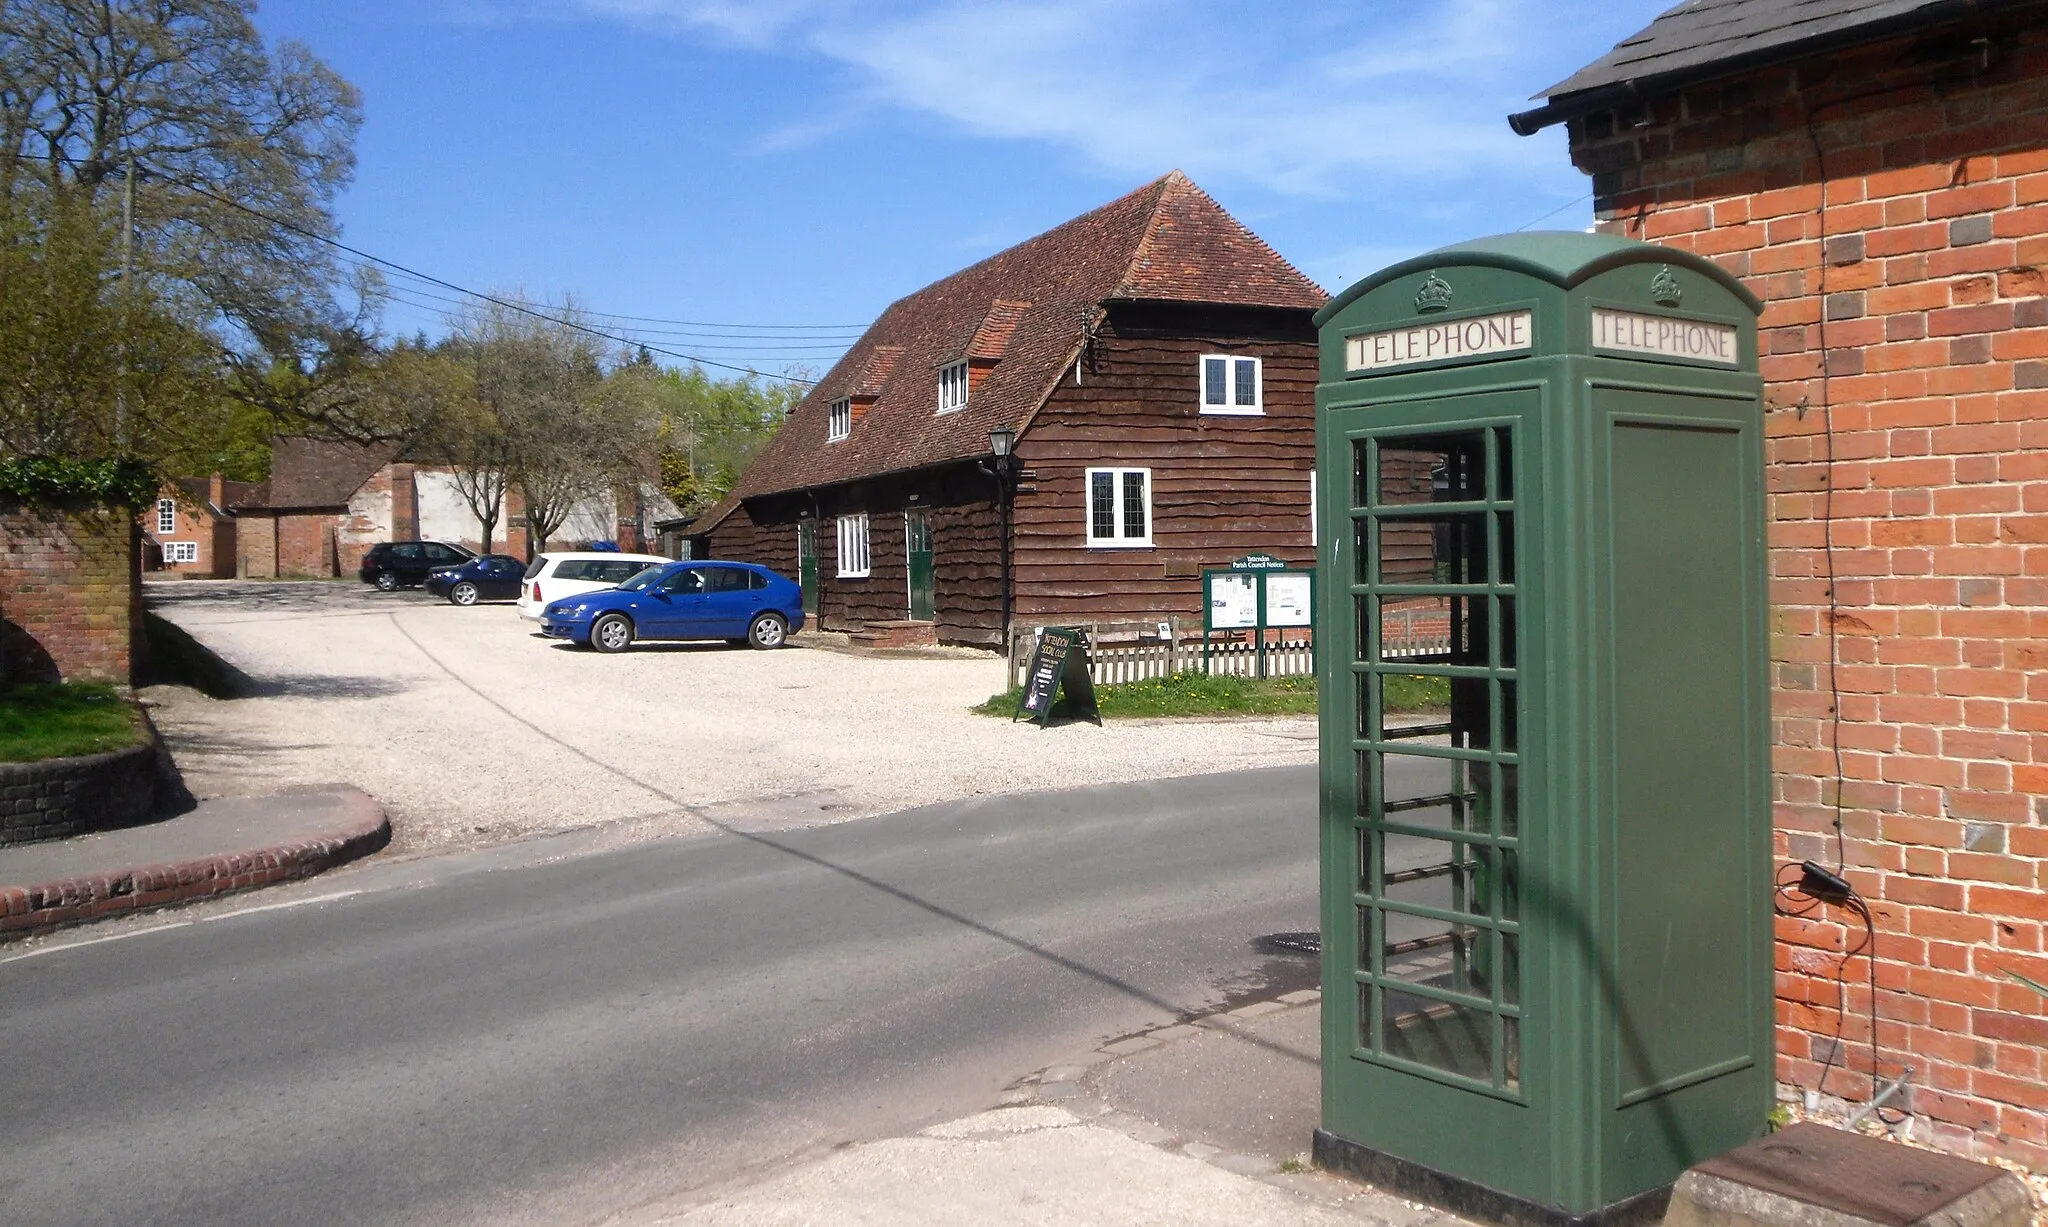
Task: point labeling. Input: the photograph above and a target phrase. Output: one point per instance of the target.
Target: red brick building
(314, 516)
(189, 532)
(1155, 364)
(1877, 172)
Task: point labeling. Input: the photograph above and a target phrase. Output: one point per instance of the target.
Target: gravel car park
(399, 696)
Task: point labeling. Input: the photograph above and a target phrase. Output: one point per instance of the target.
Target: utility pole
(127, 300)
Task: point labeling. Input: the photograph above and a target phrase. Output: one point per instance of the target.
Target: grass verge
(40, 721)
(1189, 694)
(1199, 694)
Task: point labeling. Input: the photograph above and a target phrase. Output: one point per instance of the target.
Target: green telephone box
(1545, 750)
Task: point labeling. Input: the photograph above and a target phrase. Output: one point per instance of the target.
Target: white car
(550, 577)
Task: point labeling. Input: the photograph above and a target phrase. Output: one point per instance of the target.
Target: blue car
(493, 577)
(734, 601)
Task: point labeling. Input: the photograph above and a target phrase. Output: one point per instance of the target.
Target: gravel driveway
(469, 728)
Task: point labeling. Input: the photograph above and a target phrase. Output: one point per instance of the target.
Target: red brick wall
(1905, 346)
(70, 593)
(256, 545)
(305, 545)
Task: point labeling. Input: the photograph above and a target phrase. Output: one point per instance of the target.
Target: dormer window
(953, 387)
(839, 420)
(1231, 384)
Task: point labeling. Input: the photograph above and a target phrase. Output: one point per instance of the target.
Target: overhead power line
(478, 295)
(757, 332)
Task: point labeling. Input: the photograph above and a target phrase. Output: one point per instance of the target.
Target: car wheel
(612, 633)
(386, 582)
(768, 631)
(463, 593)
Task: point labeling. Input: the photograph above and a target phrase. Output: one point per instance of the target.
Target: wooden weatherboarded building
(1156, 362)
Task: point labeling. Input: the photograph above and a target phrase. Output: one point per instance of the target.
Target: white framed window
(1120, 507)
(853, 546)
(1312, 540)
(181, 551)
(953, 387)
(166, 515)
(1232, 384)
(839, 420)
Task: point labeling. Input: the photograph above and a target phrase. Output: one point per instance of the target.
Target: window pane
(1247, 383)
(1511, 1053)
(1432, 629)
(1510, 724)
(1430, 792)
(1213, 379)
(1507, 802)
(1504, 485)
(1457, 1038)
(1432, 469)
(1507, 547)
(1414, 705)
(1102, 505)
(1433, 550)
(1134, 505)
(1443, 874)
(1439, 953)
(1510, 968)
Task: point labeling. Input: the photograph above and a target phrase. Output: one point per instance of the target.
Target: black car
(392, 564)
(491, 577)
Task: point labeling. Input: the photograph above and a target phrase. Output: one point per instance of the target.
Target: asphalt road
(525, 1035)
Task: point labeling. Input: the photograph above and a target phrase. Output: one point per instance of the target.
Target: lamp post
(1002, 443)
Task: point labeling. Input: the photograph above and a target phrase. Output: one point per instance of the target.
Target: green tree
(710, 429)
(184, 94)
(92, 365)
(567, 429)
(208, 164)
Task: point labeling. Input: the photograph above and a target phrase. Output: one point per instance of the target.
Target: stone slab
(1811, 1175)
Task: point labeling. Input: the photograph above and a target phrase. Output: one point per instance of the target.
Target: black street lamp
(1002, 444)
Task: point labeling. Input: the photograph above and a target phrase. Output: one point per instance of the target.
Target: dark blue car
(493, 577)
(734, 601)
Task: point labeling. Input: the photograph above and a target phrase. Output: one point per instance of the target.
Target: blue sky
(785, 169)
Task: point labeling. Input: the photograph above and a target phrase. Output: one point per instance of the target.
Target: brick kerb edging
(27, 911)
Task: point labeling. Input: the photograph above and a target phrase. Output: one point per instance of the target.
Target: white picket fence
(1122, 652)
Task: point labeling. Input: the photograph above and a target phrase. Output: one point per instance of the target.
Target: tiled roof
(1692, 38)
(309, 472)
(233, 493)
(993, 337)
(1166, 241)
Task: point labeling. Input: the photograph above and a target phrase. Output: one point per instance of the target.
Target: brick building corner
(1882, 184)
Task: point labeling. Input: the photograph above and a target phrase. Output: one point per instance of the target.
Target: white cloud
(1304, 103)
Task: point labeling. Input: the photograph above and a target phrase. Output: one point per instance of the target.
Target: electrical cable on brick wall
(1815, 882)
(1803, 890)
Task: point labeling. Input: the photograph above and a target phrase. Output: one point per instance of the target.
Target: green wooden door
(807, 563)
(917, 546)
(1428, 872)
